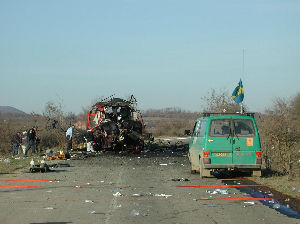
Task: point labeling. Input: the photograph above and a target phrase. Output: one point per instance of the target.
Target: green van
(225, 141)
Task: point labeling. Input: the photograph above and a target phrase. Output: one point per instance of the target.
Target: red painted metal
(21, 186)
(239, 199)
(222, 179)
(28, 180)
(240, 185)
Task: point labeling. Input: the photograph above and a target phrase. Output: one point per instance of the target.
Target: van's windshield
(223, 127)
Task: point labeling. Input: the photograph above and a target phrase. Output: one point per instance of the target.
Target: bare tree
(279, 129)
(56, 125)
(219, 101)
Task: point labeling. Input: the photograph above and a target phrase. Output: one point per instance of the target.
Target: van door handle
(237, 148)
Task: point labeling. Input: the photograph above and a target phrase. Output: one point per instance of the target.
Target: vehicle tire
(203, 172)
(194, 166)
(256, 173)
(189, 157)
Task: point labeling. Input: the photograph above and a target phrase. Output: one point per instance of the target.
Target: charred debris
(115, 124)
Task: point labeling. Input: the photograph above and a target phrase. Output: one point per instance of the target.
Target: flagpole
(243, 72)
(243, 75)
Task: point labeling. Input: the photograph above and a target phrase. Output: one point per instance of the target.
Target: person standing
(89, 141)
(31, 134)
(16, 142)
(24, 141)
(69, 136)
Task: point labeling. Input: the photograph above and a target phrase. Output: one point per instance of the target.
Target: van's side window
(197, 131)
(219, 128)
(202, 128)
(196, 128)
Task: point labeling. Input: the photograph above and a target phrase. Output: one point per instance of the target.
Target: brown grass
(282, 184)
(14, 165)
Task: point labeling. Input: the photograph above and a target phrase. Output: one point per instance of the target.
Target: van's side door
(194, 148)
(196, 126)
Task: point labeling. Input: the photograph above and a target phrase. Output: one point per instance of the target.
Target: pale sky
(168, 53)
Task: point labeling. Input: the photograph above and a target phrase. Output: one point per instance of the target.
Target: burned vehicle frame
(117, 125)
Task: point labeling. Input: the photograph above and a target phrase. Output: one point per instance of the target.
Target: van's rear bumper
(233, 166)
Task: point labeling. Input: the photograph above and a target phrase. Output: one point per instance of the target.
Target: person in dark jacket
(16, 142)
(31, 134)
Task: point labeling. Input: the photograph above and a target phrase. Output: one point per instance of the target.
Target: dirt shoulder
(281, 184)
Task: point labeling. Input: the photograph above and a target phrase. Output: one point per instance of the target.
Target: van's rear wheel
(256, 173)
(204, 172)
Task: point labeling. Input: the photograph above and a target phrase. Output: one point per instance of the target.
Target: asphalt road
(126, 189)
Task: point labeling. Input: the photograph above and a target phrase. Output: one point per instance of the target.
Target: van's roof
(206, 116)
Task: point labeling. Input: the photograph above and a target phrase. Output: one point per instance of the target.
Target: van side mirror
(187, 133)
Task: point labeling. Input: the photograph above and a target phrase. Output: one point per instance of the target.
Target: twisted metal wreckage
(116, 124)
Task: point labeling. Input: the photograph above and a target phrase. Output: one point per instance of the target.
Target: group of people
(18, 140)
(33, 141)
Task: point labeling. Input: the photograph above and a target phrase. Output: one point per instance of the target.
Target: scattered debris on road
(249, 203)
(217, 191)
(162, 195)
(180, 179)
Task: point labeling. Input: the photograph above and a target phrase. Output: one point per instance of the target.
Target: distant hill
(9, 109)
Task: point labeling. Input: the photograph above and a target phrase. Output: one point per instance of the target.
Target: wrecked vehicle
(117, 125)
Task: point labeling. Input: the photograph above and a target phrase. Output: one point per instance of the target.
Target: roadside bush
(280, 136)
(6, 133)
(51, 139)
(56, 124)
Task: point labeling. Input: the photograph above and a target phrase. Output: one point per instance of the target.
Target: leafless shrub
(6, 132)
(218, 102)
(51, 139)
(57, 122)
(279, 131)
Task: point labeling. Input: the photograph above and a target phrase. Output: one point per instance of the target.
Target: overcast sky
(165, 52)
